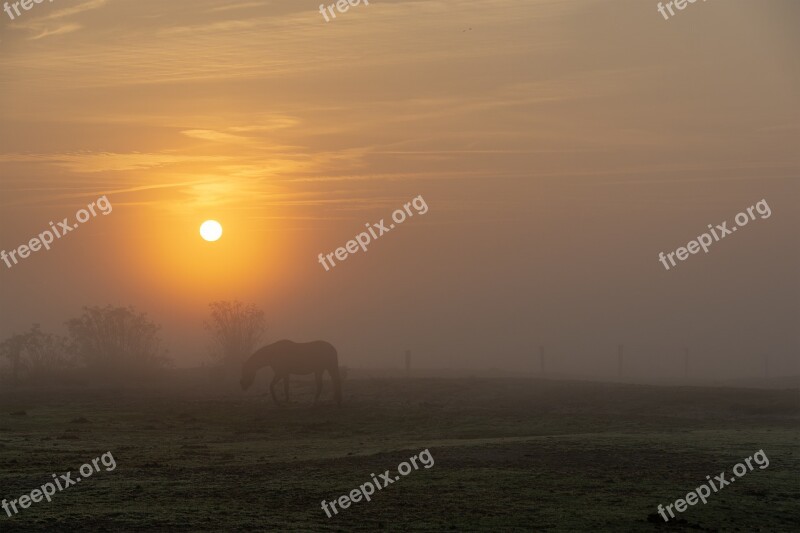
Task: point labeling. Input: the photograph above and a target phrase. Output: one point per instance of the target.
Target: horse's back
(306, 357)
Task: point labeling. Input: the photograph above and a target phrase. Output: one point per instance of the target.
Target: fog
(559, 146)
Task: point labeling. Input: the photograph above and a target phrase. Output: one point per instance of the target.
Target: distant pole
(541, 359)
(686, 363)
(619, 357)
(766, 365)
(408, 363)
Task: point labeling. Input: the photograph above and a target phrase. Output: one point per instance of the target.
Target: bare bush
(236, 330)
(35, 355)
(116, 340)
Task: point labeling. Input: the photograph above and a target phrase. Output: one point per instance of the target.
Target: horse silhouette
(300, 358)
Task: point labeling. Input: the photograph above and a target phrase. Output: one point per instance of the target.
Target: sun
(211, 230)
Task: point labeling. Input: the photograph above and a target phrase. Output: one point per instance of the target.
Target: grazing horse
(287, 357)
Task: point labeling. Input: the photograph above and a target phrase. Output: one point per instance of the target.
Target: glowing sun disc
(211, 230)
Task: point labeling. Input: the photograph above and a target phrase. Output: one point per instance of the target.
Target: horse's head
(252, 364)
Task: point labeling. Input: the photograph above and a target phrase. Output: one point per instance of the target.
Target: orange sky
(560, 145)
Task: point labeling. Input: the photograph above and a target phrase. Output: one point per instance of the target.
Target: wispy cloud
(50, 23)
(241, 5)
(217, 136)
(90, 162)
(74, 10)
(60, 30)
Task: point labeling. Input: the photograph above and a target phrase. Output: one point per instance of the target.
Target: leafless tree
(114, 340)
(45, 353)
(11, 349)
(35, 354)
(236, 330)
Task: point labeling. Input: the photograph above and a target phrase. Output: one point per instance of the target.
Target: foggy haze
(556, 146)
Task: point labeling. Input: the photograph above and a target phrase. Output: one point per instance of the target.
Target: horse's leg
(275, 380)
(286, 387)
(318, 378)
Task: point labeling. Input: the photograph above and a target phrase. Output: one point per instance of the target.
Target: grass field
(510, 455)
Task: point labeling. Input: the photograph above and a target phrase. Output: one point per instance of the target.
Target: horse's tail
(333, 370)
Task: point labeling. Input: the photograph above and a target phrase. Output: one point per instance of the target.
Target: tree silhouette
(114, 340)
(11, 349)
(35, 353)
(45, 353)
(236, 330)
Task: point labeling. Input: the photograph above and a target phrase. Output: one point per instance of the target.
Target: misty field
(510, 454)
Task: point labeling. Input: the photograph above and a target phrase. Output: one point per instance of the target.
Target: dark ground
(510, 455)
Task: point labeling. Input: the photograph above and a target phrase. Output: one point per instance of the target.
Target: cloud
(49, 23)
(108, 162)
(74, 10)
(61, 30)
(216, 136)
(242, 5)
